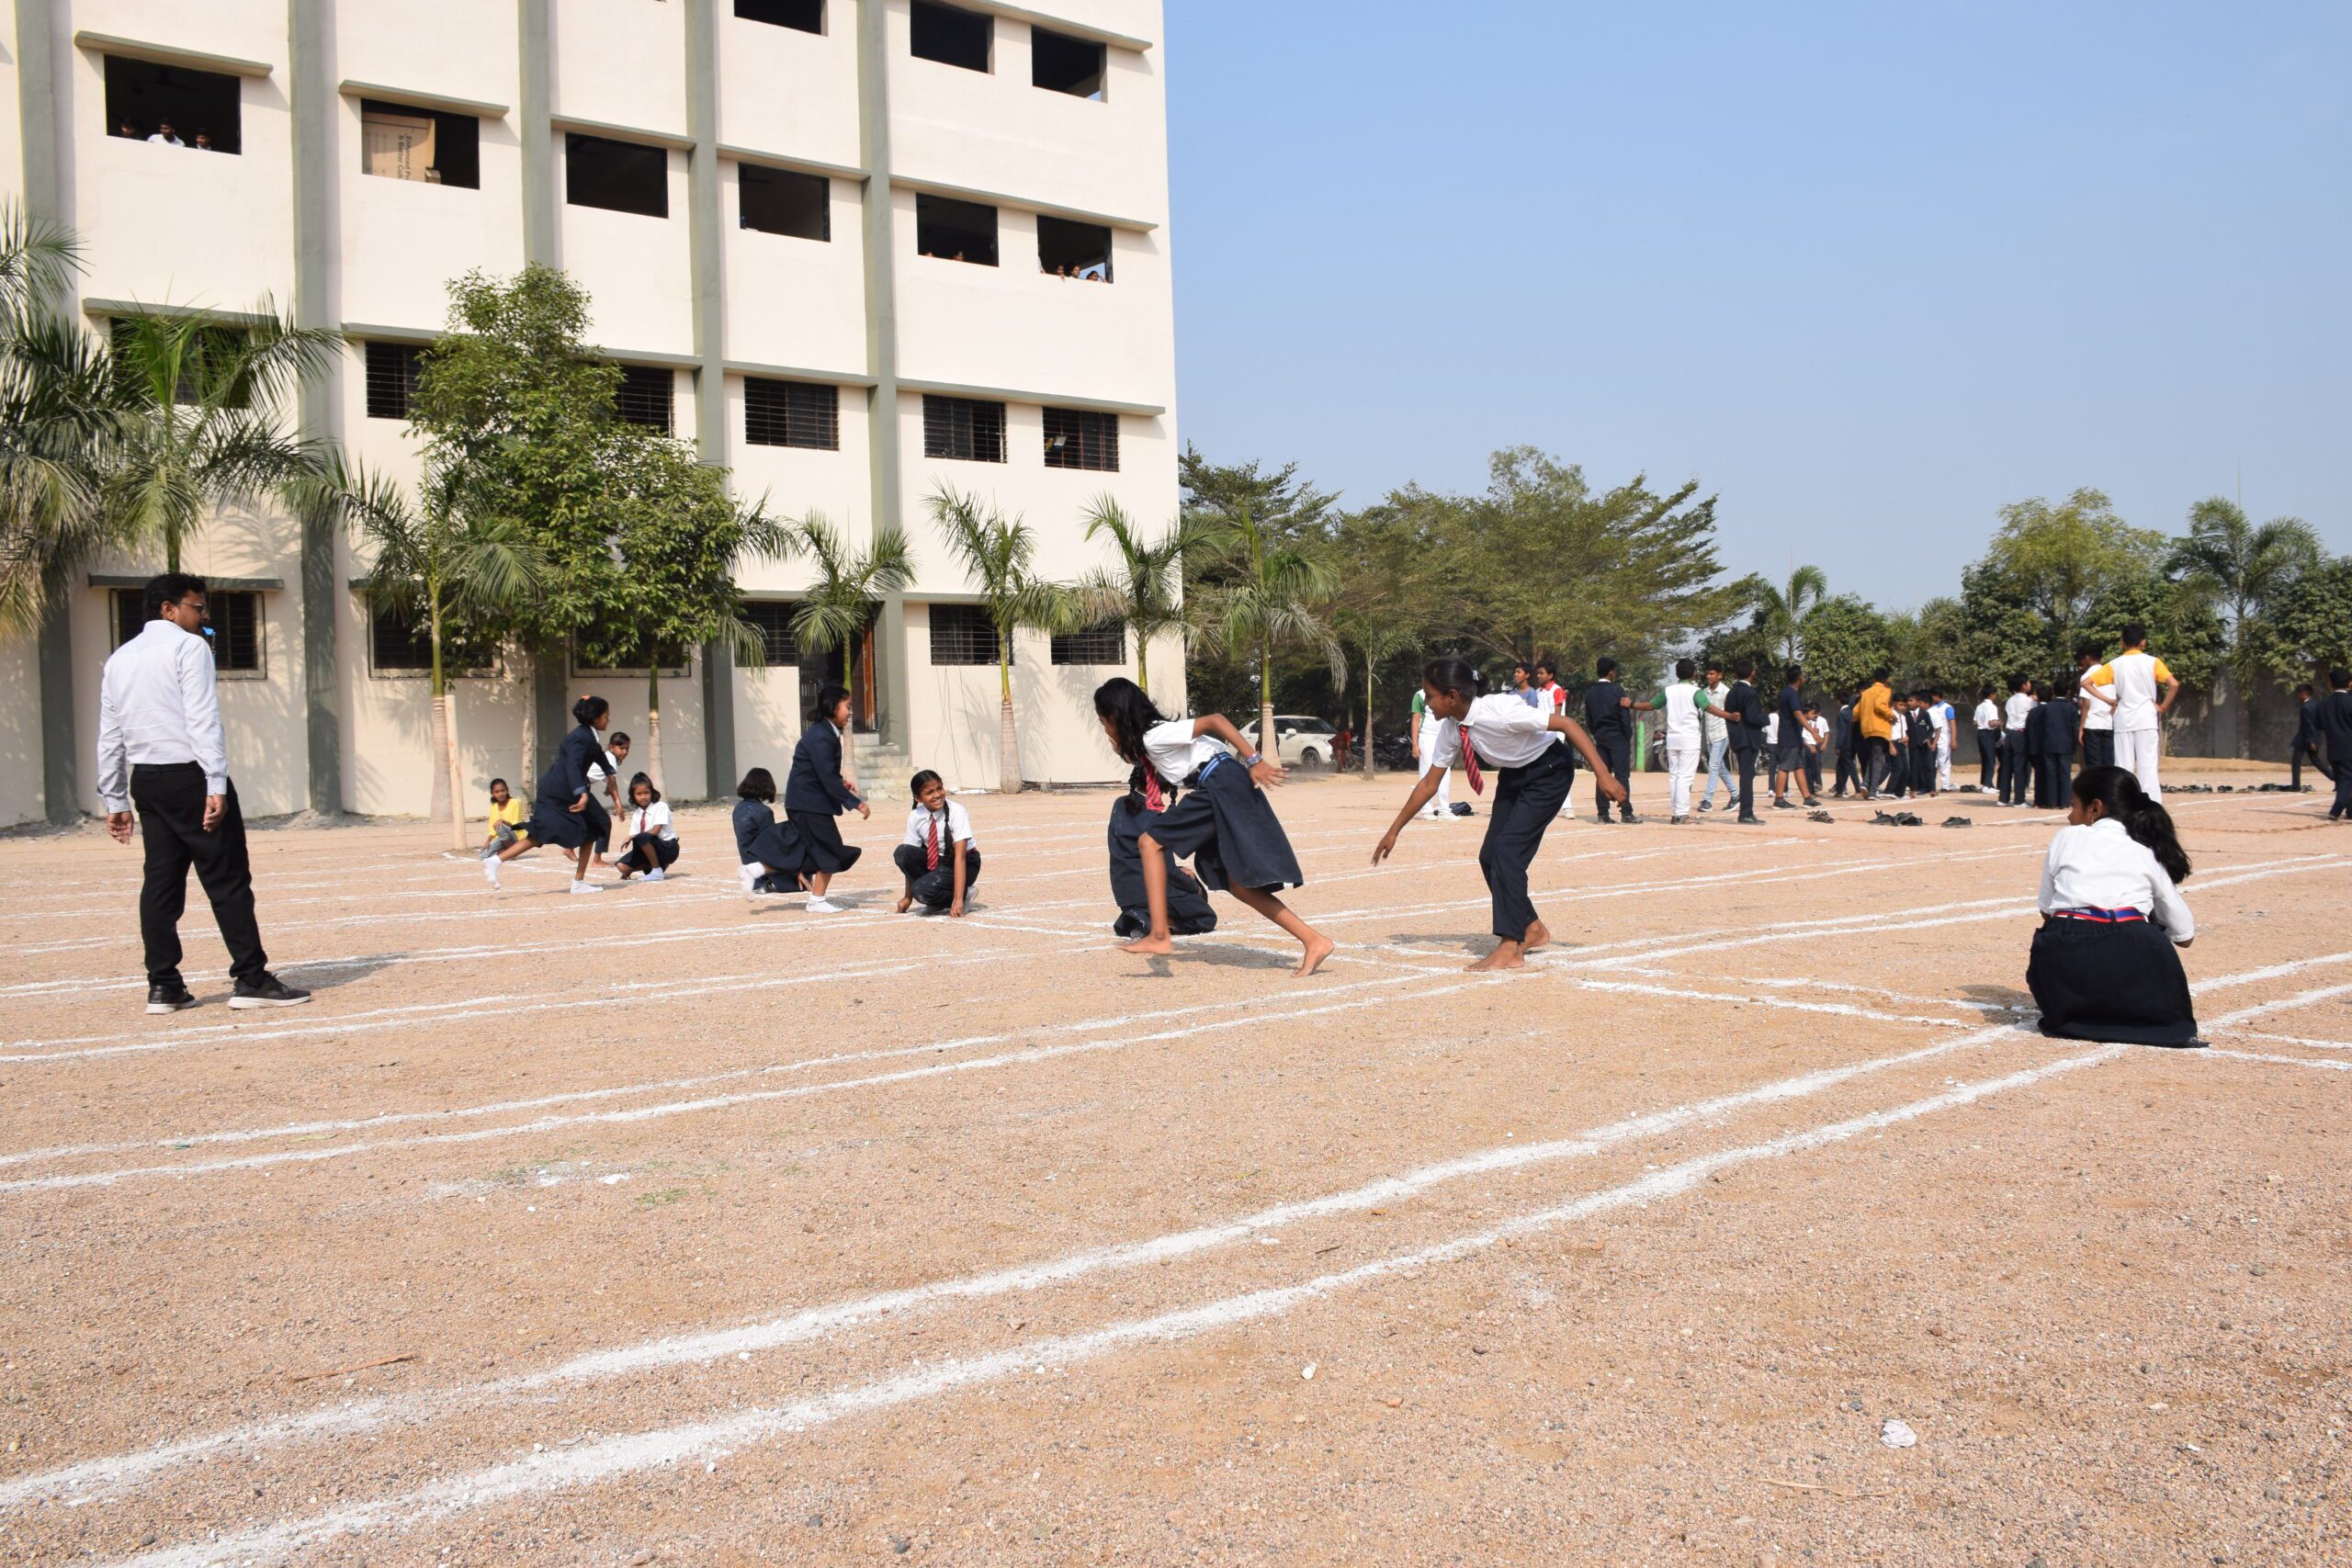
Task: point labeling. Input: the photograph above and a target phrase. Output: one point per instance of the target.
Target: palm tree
(198, 420)
(2243, 568)
(441, 561)
(1145, 589)
(1781, 612)
(840, 601)
(1272, 593)
(996, 553)
(1377, 636)
(53, 417)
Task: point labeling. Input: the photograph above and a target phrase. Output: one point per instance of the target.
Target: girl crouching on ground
(2104, 965)
(652, 839)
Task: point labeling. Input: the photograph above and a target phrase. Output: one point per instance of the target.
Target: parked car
(1300, 741)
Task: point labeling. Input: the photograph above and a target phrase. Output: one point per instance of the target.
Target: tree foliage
(2308, 630)
(53, 417)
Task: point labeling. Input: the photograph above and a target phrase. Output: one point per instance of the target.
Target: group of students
(565, 813)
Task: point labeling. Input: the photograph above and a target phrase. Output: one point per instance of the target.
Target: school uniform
(2137, 680)
(1849, 758)
(1874, 715)
(775, 847)
(814, 793)
(1609, 721)
(1988, 743)
(2015, 765)
(2307, 745)
(2331, 717)
(1920, 727)
(652, 839)
(1224, 824)
(2054, 758)
(1534, 769)
(1947, 731)
(1745, 733)
(1680, 705)
(1818, 730)
(1190, 913)
(925, 854)
(2103, 966)
(553, 820)
(1788, 736)
(1425, 733)
(2098, 724)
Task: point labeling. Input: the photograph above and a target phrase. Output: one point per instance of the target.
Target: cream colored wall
(458, 48)
(957, 708)
(621, 62)
(20, 746)
(788, 91)
(638, 270)
(795, 481)
(796, 302)
(397, 243)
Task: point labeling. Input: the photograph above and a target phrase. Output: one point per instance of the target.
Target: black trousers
(2014, 768)
(2098, 749)
(2295, 764)
(935, 888)
(2053, 777)
(1526, 800)
(1988, 757)
(1618, 753)
(1878, 756)
(1745, 762)
(1813, 773)
(170, 800)
(2343, 805)
(1850, 771)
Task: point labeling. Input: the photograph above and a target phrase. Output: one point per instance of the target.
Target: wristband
(1252, 760)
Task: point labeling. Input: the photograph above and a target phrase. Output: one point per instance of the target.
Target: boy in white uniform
(2097, 706)
(1685, 733)
(2145, 692)
(1425, 754)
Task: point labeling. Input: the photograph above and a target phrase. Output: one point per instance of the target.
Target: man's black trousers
(1988, 757)
(170, 800)
(1617, 751)
(1526, 800)
(1747, 762)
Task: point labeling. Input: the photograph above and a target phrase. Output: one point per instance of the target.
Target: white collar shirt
(158, 704)
(1505, 732)
(2097, 715)
(2103, 867)
(1711, 728)
(2020, 705)
(653, 818)
(956, 825)
(1988, 716)
(1176, 753)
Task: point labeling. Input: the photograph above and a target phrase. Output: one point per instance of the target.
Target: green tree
(1266, 576)
(1385, 602)
(467, 574)
(2243, 568)
(998, 555)
(849, 582)
(1844, 640)
(1782, 611)
(2183, 625)
(53, 416)
(1144, 588)
(2308, 630)
(682, 539)
(2056, 559)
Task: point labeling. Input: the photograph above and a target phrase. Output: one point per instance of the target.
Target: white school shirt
(1711, 728)
(1505, 732)
(1680, 702)
(2096, 714)
(654, 820)
(1771, 729)
(1176, 753)
(1819, 729)
(1946, 720)
(2020, 705)
(2137, 680)
(2103, 867)
(957, 830)
(157, 704)
(1988, 716)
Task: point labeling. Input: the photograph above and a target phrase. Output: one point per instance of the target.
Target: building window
(1073, 250)
(773, 619)
(403, 143)
(235, 624)
(964, 429)
(1060, 64)
(792, 414)
(1105, 644)
(399, 645)
(648, 395)
(800, 16)
(619, 176)
(784, 201)
(206, 368)
(955, 231)
(391, 378)
(175, 105)
(962, 634)
(951, 37)
(1079, 438)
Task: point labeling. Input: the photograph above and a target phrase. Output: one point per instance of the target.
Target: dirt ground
(651, 1227)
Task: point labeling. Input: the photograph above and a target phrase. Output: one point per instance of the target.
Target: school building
(855, 249)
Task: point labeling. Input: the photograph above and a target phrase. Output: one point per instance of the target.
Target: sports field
(651, 1227)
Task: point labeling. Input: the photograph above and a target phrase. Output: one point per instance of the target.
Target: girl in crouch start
(1224, 824)
(1529, 746)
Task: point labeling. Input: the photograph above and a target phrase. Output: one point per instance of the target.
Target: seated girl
(937, 856)
(2104, 966)
(652, 839)
(772, 853)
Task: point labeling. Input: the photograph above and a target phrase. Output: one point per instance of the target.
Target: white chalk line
(2271, 1056)
(608, 1458)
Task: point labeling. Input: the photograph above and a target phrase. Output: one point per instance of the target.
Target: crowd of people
(166, 134)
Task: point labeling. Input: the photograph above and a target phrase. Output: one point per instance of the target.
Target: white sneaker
(490, 871)
(656, 875)
(822, 907)
(748, 874)
(579, 888)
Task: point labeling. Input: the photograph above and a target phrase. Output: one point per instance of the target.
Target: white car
(1300, 741)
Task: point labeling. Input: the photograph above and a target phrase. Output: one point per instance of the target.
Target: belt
(2100, 917)
(1201, 775)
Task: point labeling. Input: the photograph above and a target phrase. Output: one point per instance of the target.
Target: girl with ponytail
(566, 812)
(2104, 966)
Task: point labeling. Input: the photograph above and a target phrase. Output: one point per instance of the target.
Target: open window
(619, 176)
(210, 364)
(955, 231)
(1104, 644)
(648, 395)
(175, 105)
(784, 201)
(772, 618)
(399, 644)
(963, 429)
(791, 413)
(391, 378)
(962, 634)
(1060, 64)
(951, 36)
(399, 142)
(1074, 250)
(1081, 439)
(800, 16)
(234, 623)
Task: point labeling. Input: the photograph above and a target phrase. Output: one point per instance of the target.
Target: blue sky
(1866, 271)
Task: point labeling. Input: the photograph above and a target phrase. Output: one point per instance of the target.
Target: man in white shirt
(1947, 731)
(1714, 738)
(165, 136)
(1681, 703)
(2144, 691)
(2096, 704)
(2017, 777)
(159, 745)
(1989, 740)
(1426, 756)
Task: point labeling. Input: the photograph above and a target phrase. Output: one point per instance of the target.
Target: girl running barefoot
(566, 812)
(815, 793)
(1530, 747)
(1224, 825)
(2104, 966)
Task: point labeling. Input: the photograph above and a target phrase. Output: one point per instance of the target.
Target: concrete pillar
(882, 346)
(36, 47)
(707, 236)
(310, 88)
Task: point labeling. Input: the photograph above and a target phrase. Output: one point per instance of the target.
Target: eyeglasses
(203, 610)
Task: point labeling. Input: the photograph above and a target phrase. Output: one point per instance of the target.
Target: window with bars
(209, 363)
(398, 644)
(648, 395)
(801, 16)
(772, 618)
(784, 201)
(962, 634)
(1081, 438)
(1105, 644)
(964, 429)
(235, 624)
(391, 378)
(791, 413)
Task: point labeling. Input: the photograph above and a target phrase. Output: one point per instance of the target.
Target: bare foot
(1318, 948)
(1505, 955)
(1538, 935)
(906, 903)
(1157, 945)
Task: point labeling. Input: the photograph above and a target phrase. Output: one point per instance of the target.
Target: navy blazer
(566, 779)
(1745, 730)
(814, 782)
(2332, 716)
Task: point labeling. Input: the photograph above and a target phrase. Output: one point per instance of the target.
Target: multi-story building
(853, 249)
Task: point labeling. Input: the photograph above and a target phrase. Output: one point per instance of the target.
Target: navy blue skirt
(820, 837)
(1189, 910)
(1227, 828)
(2100, 982)
(553, 823)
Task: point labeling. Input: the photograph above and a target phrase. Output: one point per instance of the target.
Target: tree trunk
(1266, 745)
(1143, 662)
(1008, 736)
(1371, 761)
(529, 780)
(653, 722)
